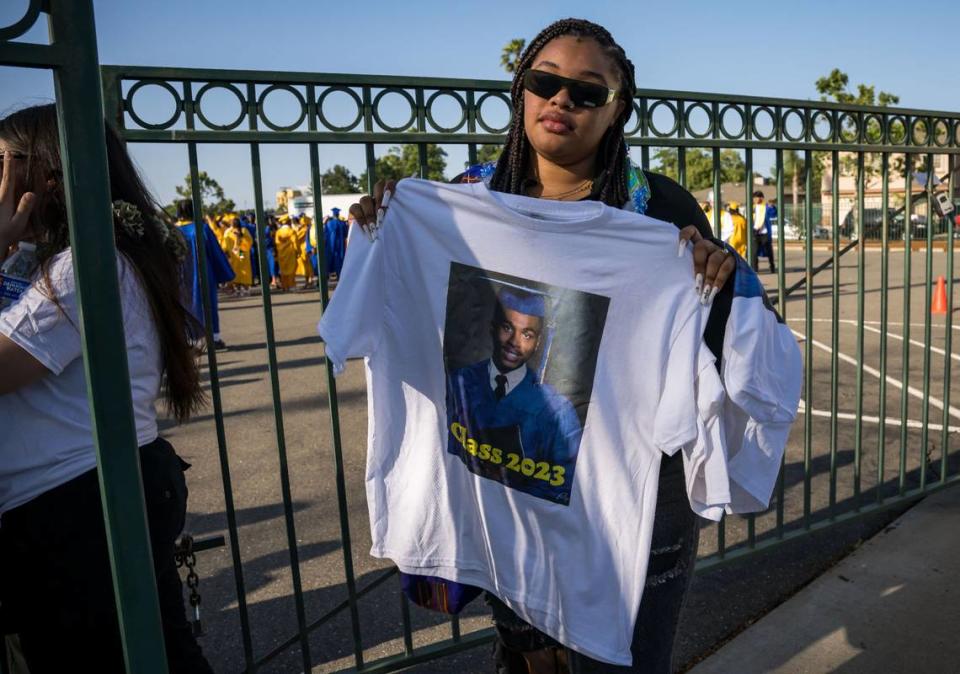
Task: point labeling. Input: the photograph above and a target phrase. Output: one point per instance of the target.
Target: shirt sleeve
(43, 322)
(352, 325)
(675, 421)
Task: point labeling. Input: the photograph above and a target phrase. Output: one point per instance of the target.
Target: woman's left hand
(712, 265)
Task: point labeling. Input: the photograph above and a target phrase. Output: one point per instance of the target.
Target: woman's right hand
(14, 217)
(369, 211)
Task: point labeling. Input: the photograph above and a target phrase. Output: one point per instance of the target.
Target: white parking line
(852, 322)
(911, 423)
(936, 402)
(877, 331)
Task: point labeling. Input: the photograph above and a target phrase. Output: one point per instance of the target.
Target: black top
(672, 203)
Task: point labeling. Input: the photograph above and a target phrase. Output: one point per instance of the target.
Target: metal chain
(185, 556)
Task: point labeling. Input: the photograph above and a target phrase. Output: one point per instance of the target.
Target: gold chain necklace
(579, 188)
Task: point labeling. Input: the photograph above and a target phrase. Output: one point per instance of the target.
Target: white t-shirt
(563, 535)
(46, 437)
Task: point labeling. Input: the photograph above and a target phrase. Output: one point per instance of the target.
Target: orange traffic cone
(939, 305)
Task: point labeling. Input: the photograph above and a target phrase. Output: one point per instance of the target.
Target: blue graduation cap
(522, 301)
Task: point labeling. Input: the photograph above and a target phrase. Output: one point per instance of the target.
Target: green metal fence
(875, 141)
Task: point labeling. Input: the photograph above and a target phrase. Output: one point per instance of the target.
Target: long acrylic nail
(683, 244)
(705, 295)
(698, 284)
(713, 293)
(380, 213)
(387, 195)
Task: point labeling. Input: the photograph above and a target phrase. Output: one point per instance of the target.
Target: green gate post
(72, 55)
(86, 181)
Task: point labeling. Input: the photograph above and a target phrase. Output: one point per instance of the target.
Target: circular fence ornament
(450, 93)
(406, 96)
(897, 129)
(637, 117)
(211, 86)
(739, 115)
(764, 117)
(493, 95)
(325, 121)
(130, 106)
(22, 25)
(791, 118)
(689, 121)
(819, 120)
(941, 133)
(849, 128)
(920, 131)
(652, 115)
(298, 97)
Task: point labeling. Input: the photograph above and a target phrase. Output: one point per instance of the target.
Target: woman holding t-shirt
(56, 589)
(572, 96)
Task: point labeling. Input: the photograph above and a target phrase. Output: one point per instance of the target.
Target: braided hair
(612, 157)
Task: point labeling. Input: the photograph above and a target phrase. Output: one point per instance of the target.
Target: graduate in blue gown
(218, 269)
(502, 421)
(335, 242)
(271, 250)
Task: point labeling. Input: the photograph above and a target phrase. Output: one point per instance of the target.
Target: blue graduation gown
(218, 271)
(335, 242)
(534, 427)
(254, 260)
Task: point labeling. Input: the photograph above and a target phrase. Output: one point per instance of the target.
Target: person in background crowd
(738, 239)
(335, 242)
(762, 232)
(56, 584)
(249, 222)
(237, 244)
(271, 250)
(304, 266)
(285, 242)
(218, 270)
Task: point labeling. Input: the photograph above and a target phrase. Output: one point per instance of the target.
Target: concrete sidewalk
(892, 606)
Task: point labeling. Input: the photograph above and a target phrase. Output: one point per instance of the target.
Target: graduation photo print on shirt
(520, 357)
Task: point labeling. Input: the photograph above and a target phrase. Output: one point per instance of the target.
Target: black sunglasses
(582, 94)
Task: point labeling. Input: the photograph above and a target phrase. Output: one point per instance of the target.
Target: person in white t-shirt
(572, 95)
(56, 587)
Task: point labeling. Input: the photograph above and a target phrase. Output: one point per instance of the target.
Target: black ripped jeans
(56, 587)
(673, 551)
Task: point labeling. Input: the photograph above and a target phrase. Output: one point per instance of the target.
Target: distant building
(896, 187)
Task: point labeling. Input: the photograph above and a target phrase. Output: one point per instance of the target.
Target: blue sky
(738, 47)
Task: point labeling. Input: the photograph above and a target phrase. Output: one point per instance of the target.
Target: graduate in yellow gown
(237, 244)
(304, 268)
(738, 239)
(285, 242)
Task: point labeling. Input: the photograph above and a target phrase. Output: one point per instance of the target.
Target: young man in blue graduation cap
(503, 422)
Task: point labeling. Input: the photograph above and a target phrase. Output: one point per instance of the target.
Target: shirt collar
(514, 377)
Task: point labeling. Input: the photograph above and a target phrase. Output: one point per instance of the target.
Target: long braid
(512, 166)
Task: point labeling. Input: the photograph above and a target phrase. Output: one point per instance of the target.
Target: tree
(211, 194)
(511, 53)
(339, 180)
(487, 153)
(833, 87)
(403, 162)
(700, 166)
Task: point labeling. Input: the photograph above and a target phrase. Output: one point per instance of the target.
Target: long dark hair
(33, 131)
(512, 166)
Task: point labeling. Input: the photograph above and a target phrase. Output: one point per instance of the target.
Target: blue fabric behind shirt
(218, 271)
